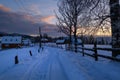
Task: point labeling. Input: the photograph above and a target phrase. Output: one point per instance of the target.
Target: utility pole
(40, 37)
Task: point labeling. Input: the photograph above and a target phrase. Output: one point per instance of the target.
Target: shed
(62, 41)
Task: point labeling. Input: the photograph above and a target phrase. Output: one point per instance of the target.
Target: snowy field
(55, 64)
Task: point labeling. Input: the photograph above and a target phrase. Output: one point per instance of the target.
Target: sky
(26, 16)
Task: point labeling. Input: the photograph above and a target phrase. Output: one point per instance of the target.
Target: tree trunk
(70, 39)
(75, 36)
(115, 25)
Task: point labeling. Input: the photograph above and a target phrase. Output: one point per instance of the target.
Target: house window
(16, 39)
(10, 39)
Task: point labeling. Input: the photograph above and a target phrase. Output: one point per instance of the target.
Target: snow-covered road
(46, 65)
(55, 64)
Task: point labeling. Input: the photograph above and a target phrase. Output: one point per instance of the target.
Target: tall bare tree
(64, 19)
(108, 12)
(69, 15)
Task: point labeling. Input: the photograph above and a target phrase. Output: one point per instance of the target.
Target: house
(11, 42)
(26, 42)
(61, 41)
(44, 40)
(67, 41)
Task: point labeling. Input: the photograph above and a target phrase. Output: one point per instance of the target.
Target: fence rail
(109, 49)
(95, 52)
(86, 48)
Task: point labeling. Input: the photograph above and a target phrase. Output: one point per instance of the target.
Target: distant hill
(3, 34)
(17, 34)
(14, 34)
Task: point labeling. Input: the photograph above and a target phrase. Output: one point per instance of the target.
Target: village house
(26, 42)
(65, 42)
(44, 40)
(11, 42)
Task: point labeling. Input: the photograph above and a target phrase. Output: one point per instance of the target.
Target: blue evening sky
(37, 7)
(42, 11)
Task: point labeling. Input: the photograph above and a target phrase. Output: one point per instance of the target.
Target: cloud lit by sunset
(48, 19)
(2, 7)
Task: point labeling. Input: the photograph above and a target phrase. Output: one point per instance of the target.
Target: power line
(27, 11)
(21, 5)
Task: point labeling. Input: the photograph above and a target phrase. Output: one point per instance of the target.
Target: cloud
(48, 19)
(34, 9)
(3, 8)
(12, 22)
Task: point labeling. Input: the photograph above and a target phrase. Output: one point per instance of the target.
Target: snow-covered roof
(11, 40)
(60, 41)
(44, 39)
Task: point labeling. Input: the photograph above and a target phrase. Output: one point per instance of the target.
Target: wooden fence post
(83, 49)
(95, 51)
(30, 53)
(42, 48)
(38, 50)
(16, 60)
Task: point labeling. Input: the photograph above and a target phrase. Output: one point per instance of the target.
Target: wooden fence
(95, 52)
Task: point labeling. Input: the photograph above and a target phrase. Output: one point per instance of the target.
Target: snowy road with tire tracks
(57, 64)
(46, 68)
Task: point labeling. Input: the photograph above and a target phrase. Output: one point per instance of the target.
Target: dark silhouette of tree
(70, 12)
(109, 11)
(115, 25)
(96, 14)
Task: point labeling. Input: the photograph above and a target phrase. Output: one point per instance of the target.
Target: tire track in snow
(80, 66)
(28, 72)
(87, 67)
(81, 70)
(57, 70)
(42, 70)
(33, 70)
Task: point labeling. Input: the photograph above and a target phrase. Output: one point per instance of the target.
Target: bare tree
(69, 15)
(64, 19)
(99, 16)
(104, 14)
(88, 16)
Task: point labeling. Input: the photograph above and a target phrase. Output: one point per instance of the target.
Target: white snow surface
(55, 64)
